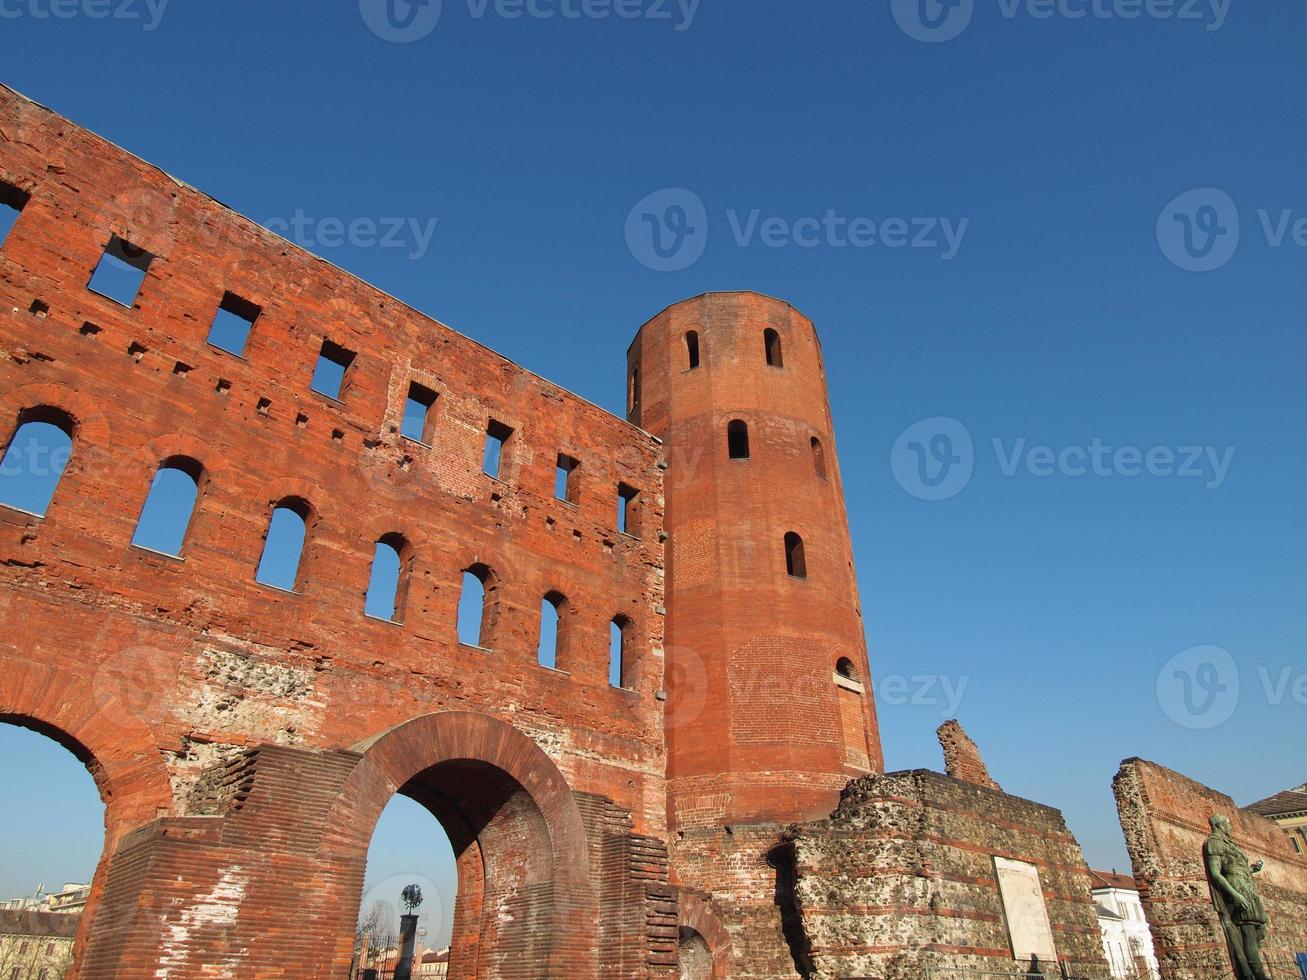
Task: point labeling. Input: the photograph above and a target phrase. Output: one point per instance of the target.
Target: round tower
(770, 710)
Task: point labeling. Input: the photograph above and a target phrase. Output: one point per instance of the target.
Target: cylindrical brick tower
(770, 710)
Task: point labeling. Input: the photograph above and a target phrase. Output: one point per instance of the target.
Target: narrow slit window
(388, 585)
(35, 460)
(232, 324)
(169, 507)
(692, 349)
(621, 672)
(628, 510)
(497, 436)
(566, 482)
(552, 609)
(818, 458)
(737, 439)
(633, 390)
(121, 271)
(283, 548)
(12, 202)
(772, 345)
(475, 608)
(418, 418)
(795, 562)
(329, 375)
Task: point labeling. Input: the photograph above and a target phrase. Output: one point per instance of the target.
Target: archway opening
(52, 818)
(694, 956)
(485, 867)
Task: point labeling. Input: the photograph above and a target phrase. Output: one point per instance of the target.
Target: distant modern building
(1289, 810)
(70, 899)
(36, 945)
(1127, 940)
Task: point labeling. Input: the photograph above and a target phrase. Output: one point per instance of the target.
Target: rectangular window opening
(628, 510)
(232, 324)
(121, 272)
(497, 436)
(418, 419)
(329, 375)
(12, 202)
(566, 482)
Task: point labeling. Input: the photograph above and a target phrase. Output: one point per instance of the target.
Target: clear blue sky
(1061, 318)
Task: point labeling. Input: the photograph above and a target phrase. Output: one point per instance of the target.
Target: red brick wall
(159, 671)
(754, 731)
(1165, 818)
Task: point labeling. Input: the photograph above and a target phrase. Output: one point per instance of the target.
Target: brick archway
(102, 734)
(526, 904)
(697, 919)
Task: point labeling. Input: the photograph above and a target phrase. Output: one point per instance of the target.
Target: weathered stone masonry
(244, 738)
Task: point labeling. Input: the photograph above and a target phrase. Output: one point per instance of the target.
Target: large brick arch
(540, 824)
(115, 746)
(697, 916)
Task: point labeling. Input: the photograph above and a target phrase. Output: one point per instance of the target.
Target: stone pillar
(408, 934)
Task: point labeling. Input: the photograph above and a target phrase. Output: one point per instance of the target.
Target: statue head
(1220, 824)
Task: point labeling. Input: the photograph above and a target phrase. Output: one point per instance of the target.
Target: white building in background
(1127, 940)
(69, 899)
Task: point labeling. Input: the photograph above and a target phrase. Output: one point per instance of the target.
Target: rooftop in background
(1289, 803)
(1110, 879)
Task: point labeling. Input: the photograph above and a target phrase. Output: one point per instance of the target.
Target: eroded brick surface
(1165, 818)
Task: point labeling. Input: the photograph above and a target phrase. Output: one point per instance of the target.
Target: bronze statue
(1239, 906)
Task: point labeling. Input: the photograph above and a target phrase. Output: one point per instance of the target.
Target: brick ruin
(722, 812)
(1165, 818)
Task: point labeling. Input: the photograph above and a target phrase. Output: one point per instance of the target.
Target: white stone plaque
(1028, 928)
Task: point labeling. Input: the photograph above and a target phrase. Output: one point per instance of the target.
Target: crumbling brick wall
(1165, 818)
(902, 875)
(163, 673)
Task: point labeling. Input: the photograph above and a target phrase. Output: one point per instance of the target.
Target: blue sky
(1044, 166)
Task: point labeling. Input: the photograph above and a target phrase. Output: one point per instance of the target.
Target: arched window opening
(409, 847)
(35, 460)
(737, 439)
(169, 507)
(844, 667)
(621, 660)
(388, 586)
(552, 647)
(476, 608)
(53, 817)
(692, 349)
(772, 345)
(283, 547)
(818, 458)
(795, 562)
